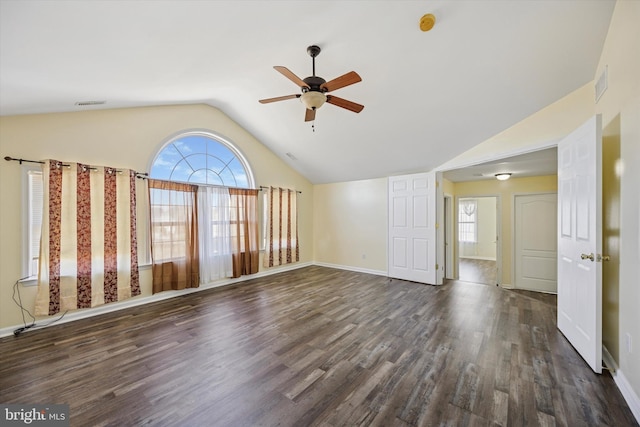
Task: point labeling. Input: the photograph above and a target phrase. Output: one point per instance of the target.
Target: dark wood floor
(478, 271)
(316, 347)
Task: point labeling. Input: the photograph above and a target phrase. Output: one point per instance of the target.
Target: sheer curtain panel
(214, 227)
(244, 231)
(174, 235)
(88, 250)
(282, 228)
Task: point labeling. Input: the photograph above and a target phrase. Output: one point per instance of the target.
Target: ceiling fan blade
(309, 115)
(352, 106)
(288, 74)
(344, 80)
(279, 98)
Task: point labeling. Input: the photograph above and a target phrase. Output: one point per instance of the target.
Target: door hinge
(437, 184)
(437, 225)
(437, 267)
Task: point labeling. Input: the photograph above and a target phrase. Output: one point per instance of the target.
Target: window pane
(35, 190)
(200, 159)
(467, 226)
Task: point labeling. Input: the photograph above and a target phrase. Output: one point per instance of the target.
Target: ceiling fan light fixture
(503, 176)
(313, 100)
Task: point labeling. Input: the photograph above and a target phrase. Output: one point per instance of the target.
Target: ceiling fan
(315, 89)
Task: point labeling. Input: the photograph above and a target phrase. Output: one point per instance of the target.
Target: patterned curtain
(282, 245)
(89, 253)
(174, 235)
(244, 231)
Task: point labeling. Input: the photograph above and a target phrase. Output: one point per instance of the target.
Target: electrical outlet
(628, 342)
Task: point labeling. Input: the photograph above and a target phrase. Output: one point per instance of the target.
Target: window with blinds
(33, 220)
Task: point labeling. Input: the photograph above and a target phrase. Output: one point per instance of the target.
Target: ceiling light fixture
(503, 176)
(313, 99)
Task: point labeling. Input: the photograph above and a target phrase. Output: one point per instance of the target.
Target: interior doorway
(477, 244)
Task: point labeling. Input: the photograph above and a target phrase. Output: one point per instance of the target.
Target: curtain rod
(266, 188)
(21, 161)
(138, 174)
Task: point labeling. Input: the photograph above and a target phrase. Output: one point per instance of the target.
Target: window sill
(29, 281)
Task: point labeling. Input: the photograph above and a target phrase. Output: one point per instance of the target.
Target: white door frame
(449, 220)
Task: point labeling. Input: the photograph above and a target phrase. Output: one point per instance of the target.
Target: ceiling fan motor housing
(314, 83)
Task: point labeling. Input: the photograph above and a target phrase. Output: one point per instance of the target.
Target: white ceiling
(428, 96)
(537, 163)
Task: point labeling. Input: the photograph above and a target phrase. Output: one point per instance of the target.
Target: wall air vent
(602, 83)
(85, 103)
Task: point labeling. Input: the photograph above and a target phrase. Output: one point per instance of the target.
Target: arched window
(201, 157)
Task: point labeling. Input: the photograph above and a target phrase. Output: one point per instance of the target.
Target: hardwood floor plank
(317, 347)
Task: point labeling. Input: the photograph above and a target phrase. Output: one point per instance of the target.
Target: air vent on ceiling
(85, 103)
(602, 83)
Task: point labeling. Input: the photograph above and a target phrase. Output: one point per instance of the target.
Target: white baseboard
(351, 268)
(141, 300)
(485, 258)
(621, 381)
(628, 393)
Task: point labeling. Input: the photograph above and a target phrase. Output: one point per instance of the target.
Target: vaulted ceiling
(428, 96)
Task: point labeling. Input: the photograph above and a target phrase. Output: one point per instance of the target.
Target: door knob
(601, 258)
(590, 256)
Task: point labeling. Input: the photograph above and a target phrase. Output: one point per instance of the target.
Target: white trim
(449, 222)
(628, 393)
(142, 300)
(621, 381)
(351, 268)
(485, 258)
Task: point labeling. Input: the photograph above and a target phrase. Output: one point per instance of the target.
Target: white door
(580, 240)
(536, 242)
(412, 228)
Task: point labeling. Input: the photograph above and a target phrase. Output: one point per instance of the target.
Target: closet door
(413, 228)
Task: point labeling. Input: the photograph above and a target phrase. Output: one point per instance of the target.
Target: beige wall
(620, 109)
(350, 224)
(126, 138)
(505, 191)
(611, 238)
